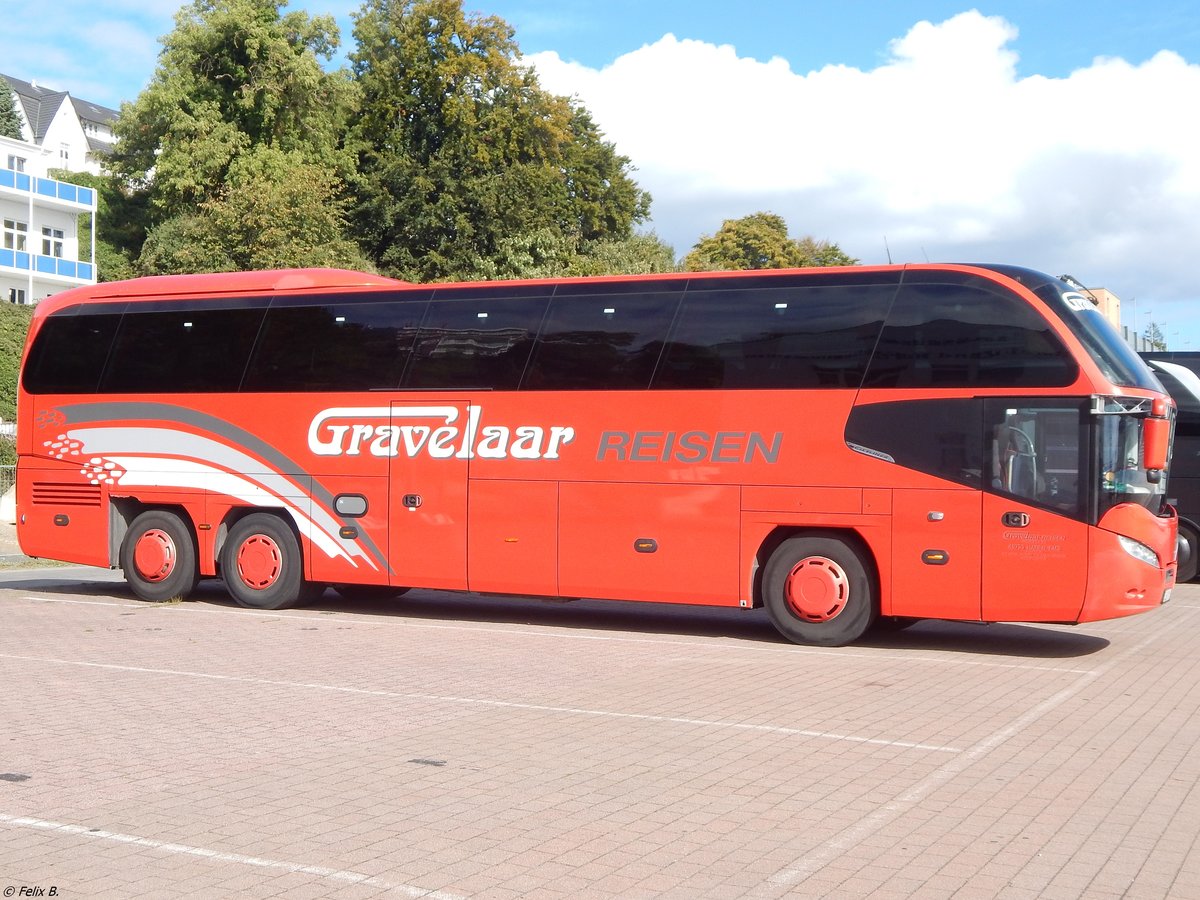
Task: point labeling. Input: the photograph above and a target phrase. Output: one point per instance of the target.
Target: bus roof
(217, 283)
(301, 280)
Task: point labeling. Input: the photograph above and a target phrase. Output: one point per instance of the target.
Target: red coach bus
(838, 445)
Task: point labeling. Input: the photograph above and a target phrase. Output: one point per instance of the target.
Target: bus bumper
(1121, 579)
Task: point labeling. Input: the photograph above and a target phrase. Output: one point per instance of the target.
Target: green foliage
(1155, 336)
(14, 325)
(641, 254)
(545, 253)
(10, 119)
(115, 211)
(234, 77)
(276, 211)
(760, 241)
(467, 167)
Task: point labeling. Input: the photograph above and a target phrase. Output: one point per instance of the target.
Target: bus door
(935, 553)
(427, 490)
(1035, 539)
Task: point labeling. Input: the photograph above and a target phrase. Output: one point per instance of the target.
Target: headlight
(1138, 551)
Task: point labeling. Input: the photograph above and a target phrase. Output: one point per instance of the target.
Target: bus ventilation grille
(47, 493)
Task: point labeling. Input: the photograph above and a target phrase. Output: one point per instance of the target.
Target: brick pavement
(455, 746)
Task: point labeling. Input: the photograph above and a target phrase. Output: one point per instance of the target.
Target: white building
(77, 134)
(41, 219)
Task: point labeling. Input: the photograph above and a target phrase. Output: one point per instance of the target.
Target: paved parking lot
(457, 746)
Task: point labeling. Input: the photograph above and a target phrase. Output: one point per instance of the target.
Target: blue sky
(1056, 35)
(1051, 133)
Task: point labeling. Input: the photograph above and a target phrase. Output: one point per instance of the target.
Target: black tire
(261, 563)
(369, 592)
(1187, 569)
(158, 556)
(818, 590)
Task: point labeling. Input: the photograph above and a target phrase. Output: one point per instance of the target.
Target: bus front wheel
(261, 563)
(158, 557)
(818, 590)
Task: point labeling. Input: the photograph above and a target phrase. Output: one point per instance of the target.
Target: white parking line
(500, 704)
(844, 843)
(407, 890)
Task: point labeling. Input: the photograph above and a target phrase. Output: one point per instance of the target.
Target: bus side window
(736, 336)
(937, 437)
(1035, 452)
(69, 354)
(601, 342)
(959, 335)
(182, 350)
(334, 346)
(476, 338)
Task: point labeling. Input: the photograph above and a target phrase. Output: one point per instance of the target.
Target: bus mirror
(1155, 434)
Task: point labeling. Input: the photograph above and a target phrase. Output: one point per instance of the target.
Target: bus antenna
(887, 249)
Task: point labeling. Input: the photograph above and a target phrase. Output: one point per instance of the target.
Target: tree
(760, 241)
(277, 210)
(461, 153)
(233, 77)
(1155, 337)
(14, 325)
(641, 254)
(545, 253)
(113, 215)
(10, 119)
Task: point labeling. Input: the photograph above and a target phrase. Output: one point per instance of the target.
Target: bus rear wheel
(158, 557)
(261, 563)
(817, 590)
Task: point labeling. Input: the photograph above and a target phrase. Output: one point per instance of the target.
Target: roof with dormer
(40, 105)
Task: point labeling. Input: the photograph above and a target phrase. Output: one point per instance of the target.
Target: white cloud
(942, 148)
(99, 52)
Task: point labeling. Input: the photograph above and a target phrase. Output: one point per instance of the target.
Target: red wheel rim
(259, 562)
(817, 589)
(154, 555)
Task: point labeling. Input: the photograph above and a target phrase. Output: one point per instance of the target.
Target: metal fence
(8, 477)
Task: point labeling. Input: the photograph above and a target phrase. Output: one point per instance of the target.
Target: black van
(1179, 373)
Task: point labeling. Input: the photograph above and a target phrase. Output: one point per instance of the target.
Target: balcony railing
(46, 265)
(48, 187)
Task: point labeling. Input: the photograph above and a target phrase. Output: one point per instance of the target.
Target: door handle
(1015, 519)
(411, 501)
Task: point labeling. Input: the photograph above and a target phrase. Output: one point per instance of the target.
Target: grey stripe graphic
(83, 413)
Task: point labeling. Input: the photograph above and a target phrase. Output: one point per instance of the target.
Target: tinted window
(1030, 449)
(1037, 453)
(69, 354)
(956, 335)
(1116, 359)
(181, 350)
(475, 339)
(606, 342)
(346, 346)
(734, 336)
(937, 437)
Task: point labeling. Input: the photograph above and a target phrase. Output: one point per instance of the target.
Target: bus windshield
(1123, 478)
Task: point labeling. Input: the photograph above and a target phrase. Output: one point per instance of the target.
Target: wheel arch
(237, 513)
(123, 510)
(850, 536)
